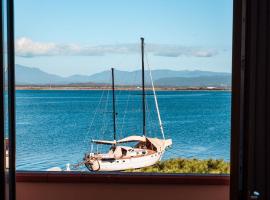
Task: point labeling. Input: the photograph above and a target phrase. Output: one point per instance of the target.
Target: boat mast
(114, 113)
(143, 89)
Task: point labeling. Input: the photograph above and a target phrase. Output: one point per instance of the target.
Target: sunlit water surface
(55, 127)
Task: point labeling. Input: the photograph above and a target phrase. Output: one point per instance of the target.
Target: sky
(67, 37)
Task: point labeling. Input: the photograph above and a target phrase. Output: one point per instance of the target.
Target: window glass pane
(64, 98)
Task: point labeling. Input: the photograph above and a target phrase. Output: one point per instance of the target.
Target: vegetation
(179, 165)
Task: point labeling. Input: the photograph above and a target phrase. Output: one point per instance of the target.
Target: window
(191, 66)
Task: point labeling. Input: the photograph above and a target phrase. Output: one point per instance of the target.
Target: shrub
(180, 165)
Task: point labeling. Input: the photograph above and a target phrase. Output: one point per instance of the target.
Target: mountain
(200, 81)
(29, 75)
(34, 76)
(133, 78)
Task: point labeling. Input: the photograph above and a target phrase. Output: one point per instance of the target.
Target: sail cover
(160, 144)
(133, 138)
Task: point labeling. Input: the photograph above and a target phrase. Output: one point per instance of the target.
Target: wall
(50, 186)
(98, 191)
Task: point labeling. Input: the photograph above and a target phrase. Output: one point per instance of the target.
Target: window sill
(132, 178)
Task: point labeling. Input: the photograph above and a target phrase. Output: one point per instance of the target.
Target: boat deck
(149, 152)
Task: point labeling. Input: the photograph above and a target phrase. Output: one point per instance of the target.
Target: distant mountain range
(184, 78)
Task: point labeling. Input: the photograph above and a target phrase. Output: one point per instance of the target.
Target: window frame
(250, 149)
(197, 179)
(237, 99)
(2, 113)
(7, 176)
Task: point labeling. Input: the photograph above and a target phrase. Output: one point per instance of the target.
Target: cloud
(25, 47)
(178, 50)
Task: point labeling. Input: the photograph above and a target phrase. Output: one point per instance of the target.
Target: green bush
(180, 165)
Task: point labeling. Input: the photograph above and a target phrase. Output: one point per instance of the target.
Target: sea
(55, 127)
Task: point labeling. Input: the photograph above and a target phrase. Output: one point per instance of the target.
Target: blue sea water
(55, 127)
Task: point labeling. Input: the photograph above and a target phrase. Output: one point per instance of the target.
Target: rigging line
(155, 97)
(104, 118)
(118, 105)
(151, 118)
(147, 117)
(107, 119)
(125, 112)
(108, 122)
(95, 112)
(126, 107)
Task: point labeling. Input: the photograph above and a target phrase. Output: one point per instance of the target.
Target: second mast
(114, 113)
(143, 89)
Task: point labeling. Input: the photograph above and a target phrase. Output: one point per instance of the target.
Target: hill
(34, 76)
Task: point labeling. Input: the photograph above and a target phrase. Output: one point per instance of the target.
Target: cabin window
(67, 95)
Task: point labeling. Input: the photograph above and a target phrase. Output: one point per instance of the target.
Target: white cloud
(178, 50)
(25, 47)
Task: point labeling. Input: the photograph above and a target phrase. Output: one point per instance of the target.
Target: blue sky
(68, 37)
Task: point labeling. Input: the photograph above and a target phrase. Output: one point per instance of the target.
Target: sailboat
(147, 151)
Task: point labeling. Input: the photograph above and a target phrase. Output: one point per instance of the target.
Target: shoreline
(133, 88)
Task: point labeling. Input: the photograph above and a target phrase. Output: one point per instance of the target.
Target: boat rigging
(146, 152)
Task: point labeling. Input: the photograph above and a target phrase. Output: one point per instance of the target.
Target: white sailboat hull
(125, 164)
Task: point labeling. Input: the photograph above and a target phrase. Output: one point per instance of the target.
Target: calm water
(55, 127)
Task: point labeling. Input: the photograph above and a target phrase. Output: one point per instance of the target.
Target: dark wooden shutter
(250, 153)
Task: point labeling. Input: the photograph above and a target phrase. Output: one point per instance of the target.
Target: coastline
(78, 87)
